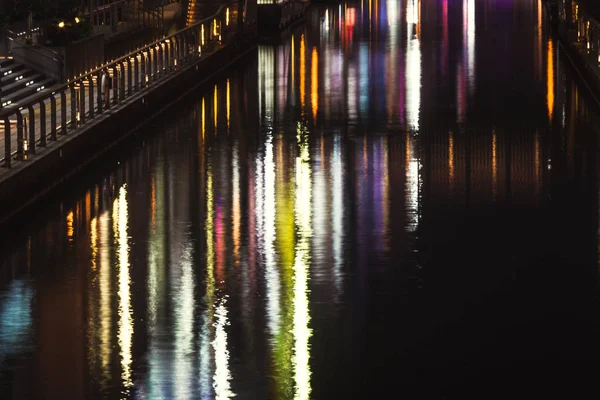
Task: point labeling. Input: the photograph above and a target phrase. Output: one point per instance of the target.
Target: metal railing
(73, 104)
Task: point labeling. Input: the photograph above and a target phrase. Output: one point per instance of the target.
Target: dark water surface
(403, 195)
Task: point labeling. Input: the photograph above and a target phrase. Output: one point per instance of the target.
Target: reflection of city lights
(550, 78)
(272, 275)
(236, 204)
(314, 82)
(216, 107)
(302, 71)
(413, 71)
(350, 18)
(301, 330)
(104, 278)
(70, 225)
(125, 333)
(412, 185)
(470, 38)
(184, 326)
(222, 376)
(228, 102)
(338, 210)
(266, 81)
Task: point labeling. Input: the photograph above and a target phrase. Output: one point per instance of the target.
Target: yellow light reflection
(550, 79)
(302, 71)
(203, 118)
(70, 230)
(216, 107)
(94, 241)
(207, 324)
(302, 333)
(271, 271)
(125, 333)
(104, 278)
(314, 82)
(228, 103)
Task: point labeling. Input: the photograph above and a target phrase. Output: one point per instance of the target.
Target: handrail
(70, 105)
(35, 47)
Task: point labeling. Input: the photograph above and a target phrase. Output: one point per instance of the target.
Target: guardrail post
(32, 138)
(81, 91)
(99, 93)
(42, 123)
(129, 67)
(20, 139)
(52, 117)
(7, 144)
(122, 81)
(63, 112)
(91, 80)
(73, 106)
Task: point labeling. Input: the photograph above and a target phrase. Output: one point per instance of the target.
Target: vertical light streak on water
(207, 318)
(338, 213)
(413, 65)
(185, 307)
(125, 327)
(222, 377)
(471, 45)
(412, 185)
(15, 318)
(314, 82)
(156, 288)
(301, 331)
(105, 278)
(235, 166)
(302, 71)
(92, 326)
(363, 80)
(271, 271)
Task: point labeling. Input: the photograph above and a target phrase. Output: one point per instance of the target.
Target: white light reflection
(338, 212)
(413, 65)
(184, 325)
(266, 82)
(271, 271)
(301, 330)
(222, 377)
(412, 185)
(207, 318)
(471, 44)
(125, 334)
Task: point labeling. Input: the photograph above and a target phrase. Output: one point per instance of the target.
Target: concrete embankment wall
(28, 181)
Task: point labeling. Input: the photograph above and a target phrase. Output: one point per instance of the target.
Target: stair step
(8, 68)
(28, 92)
(15, 76)
(20, 84)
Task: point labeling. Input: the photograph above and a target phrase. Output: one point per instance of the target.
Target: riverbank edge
(586, 68)
(29, 181)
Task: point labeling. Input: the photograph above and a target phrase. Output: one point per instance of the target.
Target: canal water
(399, 197)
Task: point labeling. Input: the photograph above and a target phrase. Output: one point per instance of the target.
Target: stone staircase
(19, 83)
